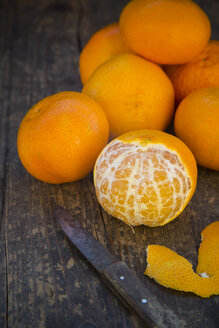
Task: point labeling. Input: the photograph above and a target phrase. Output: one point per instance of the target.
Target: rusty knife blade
(118, 276)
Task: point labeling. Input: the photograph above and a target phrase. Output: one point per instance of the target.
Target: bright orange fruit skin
(165, 31)
(134, 93)
(145, 177)
(208, 253)
(104, 44)
(201, 72)
(61, 136)
(196, 123)
(174, 271)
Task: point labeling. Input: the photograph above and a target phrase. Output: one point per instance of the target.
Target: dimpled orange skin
(171, 270)
(134, 93)
(165, 31)
(201, 72)
(196, 123)
(104, 44)
(61, 136)
(145, 177)
(208, 254)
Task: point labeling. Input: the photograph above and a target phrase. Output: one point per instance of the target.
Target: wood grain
(44, 281)
(6, 33)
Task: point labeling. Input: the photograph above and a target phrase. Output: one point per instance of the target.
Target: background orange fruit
(134, 93)
(201, 72)
(104, 44)
(145, 177)
(197, 124)
(61, 136)
(165, 31)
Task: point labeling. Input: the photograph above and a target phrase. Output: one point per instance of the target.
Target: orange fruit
(165, 31)
(197, 124)
(201, 72)
(104, 44)
(145, 177)
(61, 136)
(134, 93)
(173, 271)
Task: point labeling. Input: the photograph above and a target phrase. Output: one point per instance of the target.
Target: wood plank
(49, 283)
(6, 30)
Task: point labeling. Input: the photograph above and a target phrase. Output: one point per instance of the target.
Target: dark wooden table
(44, 281)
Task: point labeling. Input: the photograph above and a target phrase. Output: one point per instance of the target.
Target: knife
(118, 276)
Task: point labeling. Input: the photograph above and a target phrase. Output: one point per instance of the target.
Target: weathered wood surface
(44, 281)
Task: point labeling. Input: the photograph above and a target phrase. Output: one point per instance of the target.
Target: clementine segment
(61, 136)
(145, 177)
(165, 31)
(201, 72)
(104, 44)
(171, 270)
(196, 122)
(134, 93)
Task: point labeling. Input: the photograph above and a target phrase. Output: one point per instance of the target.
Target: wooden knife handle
(126, 285)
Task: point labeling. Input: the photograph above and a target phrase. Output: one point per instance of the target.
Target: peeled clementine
(145, 177)
(134, 93)
(61, 136)
(201, 72)
(196, 123)
(165, 31)
(104, 44)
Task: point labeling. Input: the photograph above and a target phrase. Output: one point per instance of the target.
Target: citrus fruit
(61, 136)
(196, 123)
(171, 270)
(201, 72)
(133, 92)
(165, 31)
(145, 177)
(104, 44)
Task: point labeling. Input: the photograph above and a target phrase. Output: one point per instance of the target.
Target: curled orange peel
(171, 270)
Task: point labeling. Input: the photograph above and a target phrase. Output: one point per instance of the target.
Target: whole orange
(145, 177)
(61, 136)
(104, 44)
(197, 124)
(134, 93)
(201, 72)
(165, 31)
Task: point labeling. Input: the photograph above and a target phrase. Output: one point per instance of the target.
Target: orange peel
(172, 270)
(208, 254)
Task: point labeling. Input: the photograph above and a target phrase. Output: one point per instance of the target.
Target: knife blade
(118, 276)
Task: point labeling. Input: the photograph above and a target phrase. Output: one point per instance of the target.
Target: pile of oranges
(155, 66)
(134, 74)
